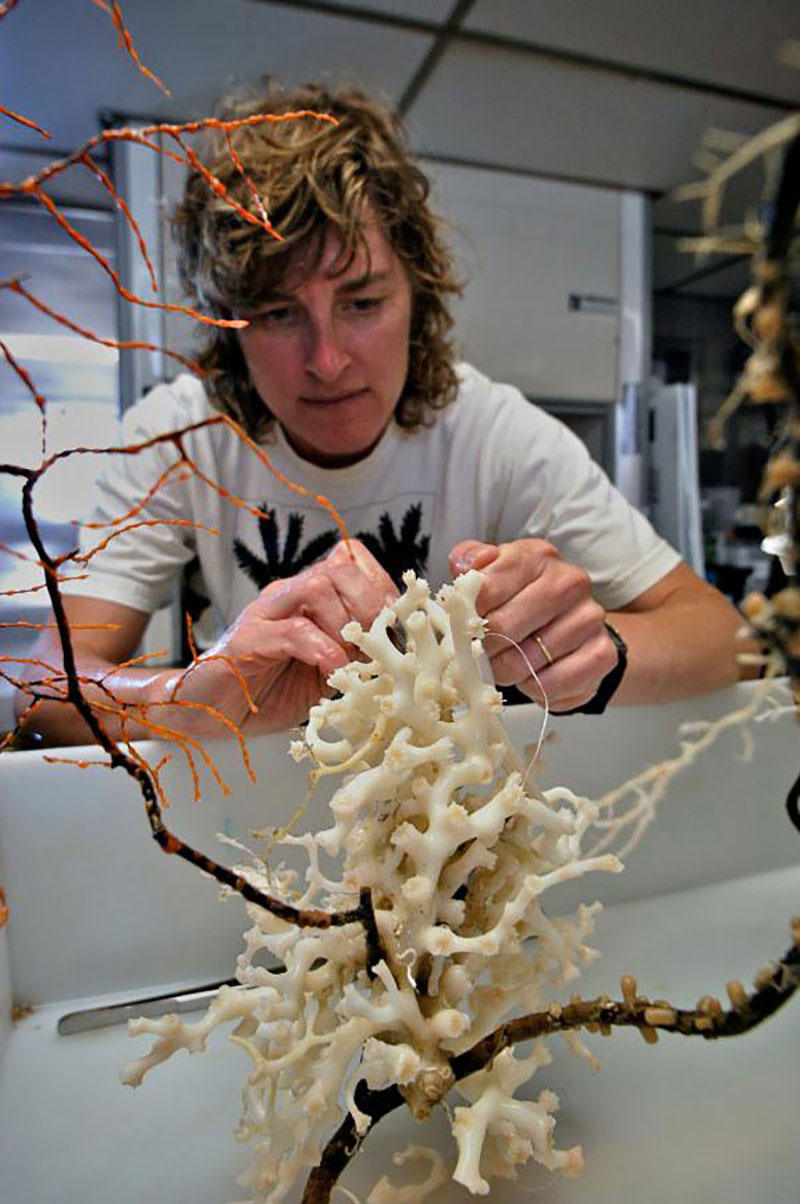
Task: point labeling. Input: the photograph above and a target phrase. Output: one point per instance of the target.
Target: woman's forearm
(115, 695)
(689, 644)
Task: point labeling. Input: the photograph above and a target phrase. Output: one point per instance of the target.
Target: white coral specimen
(434, 818)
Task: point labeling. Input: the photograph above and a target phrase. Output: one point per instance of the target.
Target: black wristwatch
(609, 684)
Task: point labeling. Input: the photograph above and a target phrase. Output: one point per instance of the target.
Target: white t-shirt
(492, 467)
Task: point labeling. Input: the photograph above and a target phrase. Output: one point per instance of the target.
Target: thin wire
(351, 1195)
(499, 635)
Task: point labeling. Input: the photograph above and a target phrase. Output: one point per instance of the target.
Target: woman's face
(328, 352)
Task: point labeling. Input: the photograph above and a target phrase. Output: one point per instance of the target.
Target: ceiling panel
(504, 107)
(417, 10)
(482, 103)
(198, 49)
(735, 43)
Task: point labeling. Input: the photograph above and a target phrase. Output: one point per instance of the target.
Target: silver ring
(545, 651)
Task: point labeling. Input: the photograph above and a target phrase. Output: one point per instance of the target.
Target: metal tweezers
(87, 1019)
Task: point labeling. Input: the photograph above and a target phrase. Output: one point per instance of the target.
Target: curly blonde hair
(310, 173)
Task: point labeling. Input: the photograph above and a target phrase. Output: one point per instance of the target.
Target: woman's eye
(282, 315)
(364, 305)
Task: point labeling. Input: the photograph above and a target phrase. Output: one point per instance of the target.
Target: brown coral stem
(780, 983)
(346, 1142)
(167, 841)
(774, 987)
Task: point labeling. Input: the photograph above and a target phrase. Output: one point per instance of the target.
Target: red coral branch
(171, 307)
(214, 656)
(143, 137)
(24, 376)
(16, 286)
(216, 186)
(85, 557)
(69, 684)
(268, 226)
(105, 180)
(39, 398)
(32, 125)
(140, 505)
(65, 684)
(126, 42)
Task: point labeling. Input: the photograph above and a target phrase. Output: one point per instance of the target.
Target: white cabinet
(542, 261)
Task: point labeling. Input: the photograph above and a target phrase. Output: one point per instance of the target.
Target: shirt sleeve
(145, 531)
(556, 491)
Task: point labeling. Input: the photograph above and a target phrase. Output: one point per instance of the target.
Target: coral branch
(26, 379)
(346, 1142)
(127, 42)
(71, 692)
(53, 626)
(219, 188)
(144, 137)
(268, 226)
(85, 557)
(632, 806)
(120, 203)
(774, 987)
(139, 506)
(171, 307)
(176, 438)
(15, 285)
(32, 125)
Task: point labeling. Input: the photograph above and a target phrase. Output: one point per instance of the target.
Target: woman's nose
(326, 356)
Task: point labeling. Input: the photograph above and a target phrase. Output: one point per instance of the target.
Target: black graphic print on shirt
(395, 550)
(398, 552)
(291, 559)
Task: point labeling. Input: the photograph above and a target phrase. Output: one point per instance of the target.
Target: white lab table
(711, 891)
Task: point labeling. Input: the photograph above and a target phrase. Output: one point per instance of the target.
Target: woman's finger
(545, 645)
(574, 679)
(362, 584)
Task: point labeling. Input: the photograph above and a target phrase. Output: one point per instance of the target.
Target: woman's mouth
(335, 398)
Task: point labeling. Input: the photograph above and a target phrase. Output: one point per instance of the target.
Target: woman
(315, 231)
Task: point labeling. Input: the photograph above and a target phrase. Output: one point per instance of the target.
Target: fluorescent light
(59, 349)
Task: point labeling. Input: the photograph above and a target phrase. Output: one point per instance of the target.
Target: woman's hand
(534, 598)
(287, 641)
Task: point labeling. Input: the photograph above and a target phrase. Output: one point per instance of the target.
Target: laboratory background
(560, 137)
